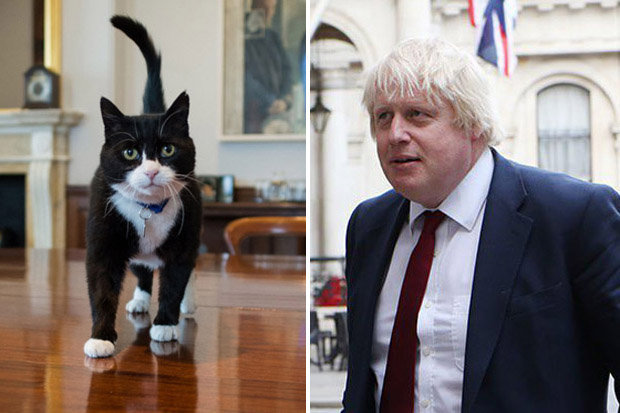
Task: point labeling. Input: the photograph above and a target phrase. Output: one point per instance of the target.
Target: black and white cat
(145, 208)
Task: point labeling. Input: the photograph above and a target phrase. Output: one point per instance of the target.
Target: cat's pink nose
(151, 174)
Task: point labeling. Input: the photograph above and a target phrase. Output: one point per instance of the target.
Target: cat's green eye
(167, 151)
(130, 154)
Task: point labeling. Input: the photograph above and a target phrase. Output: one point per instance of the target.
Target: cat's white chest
(157, 228)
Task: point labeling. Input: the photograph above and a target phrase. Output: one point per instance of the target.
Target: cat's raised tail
(153, 98)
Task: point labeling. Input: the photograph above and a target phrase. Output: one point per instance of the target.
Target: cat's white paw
(98, 348)
(137, 306)
(140, 302)
(164, 333)
(188, 304)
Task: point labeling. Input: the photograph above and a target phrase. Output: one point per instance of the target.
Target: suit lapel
(380, 245)
(503, 238)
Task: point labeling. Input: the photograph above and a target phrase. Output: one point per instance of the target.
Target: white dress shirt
(442, 320)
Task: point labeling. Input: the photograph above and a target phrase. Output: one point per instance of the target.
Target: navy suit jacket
(544, 321)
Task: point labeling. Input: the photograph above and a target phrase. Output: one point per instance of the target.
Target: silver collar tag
(145, 214)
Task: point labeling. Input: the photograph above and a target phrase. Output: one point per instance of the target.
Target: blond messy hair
(441, 72)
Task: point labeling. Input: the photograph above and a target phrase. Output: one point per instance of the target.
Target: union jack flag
(495, 21)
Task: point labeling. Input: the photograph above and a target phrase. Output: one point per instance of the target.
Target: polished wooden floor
(242, 351)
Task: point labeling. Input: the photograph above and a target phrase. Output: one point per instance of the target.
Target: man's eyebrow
(422, 104)
(426, 107)
(381, 107)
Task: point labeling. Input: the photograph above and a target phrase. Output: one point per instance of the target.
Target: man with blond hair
(476, 284)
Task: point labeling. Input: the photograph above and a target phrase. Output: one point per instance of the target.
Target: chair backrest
(342, 332)
(314, 320)
(239, 229)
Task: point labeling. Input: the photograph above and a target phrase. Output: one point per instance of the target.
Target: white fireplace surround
(35, 143)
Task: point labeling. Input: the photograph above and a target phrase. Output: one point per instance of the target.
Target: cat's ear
(112, 117)
(175, 118)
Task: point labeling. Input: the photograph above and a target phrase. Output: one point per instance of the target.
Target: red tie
(398, 385)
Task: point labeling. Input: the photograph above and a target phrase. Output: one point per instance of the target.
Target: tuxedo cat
(145, 208)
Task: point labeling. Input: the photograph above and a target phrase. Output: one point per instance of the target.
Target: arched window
(564, 130)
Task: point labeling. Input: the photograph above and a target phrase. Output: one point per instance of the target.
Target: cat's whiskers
(134, 194)
(106, 212)
(190, 193)
(177, 199)
(166, 187)
(173, 194)
(188, 177)
(177, 195)
(182, 219)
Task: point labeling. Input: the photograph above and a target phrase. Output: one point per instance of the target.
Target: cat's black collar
(156, 208)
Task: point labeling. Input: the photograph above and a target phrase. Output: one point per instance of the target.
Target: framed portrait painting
(264, 70)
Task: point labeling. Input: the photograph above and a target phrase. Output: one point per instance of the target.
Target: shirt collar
(464, 203)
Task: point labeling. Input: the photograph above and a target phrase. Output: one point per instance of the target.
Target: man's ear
(175, 118)
(112, 117)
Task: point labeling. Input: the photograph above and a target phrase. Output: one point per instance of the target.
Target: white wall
(87, 74)
(100, 61)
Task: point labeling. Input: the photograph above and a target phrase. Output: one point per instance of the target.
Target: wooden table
(242, 351)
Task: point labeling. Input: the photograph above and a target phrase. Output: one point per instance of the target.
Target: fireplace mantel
(35, 143)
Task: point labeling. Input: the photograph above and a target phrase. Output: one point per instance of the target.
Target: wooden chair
(240, 229)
